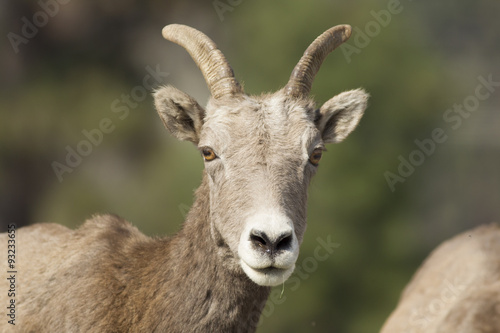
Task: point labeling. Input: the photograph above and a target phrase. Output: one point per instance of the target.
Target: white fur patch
(263, 269)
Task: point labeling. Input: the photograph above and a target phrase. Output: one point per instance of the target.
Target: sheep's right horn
(304, 72)
(215, 68)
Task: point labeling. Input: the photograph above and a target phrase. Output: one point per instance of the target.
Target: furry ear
(340, 115)
(180, 113)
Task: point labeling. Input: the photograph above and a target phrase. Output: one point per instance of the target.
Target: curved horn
(303, 74)
(215, 69)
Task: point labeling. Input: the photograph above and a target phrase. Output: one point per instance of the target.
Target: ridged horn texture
(215, 69)
(304, 72)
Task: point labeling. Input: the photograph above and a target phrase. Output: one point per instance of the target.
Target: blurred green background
(66, 67)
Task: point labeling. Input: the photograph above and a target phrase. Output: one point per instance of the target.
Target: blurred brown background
(73, 69)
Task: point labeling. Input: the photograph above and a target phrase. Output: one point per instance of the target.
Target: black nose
(263, 243)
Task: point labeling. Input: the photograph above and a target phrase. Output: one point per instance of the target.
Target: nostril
(284, 242)
(262, 242)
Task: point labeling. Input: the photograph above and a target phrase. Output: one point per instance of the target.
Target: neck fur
(202, 290)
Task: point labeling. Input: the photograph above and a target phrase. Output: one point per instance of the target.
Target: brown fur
(457, 289)
(106, 276)
(212, 276)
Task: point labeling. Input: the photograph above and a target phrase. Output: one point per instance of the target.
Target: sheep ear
(180, 113)
(340, 115)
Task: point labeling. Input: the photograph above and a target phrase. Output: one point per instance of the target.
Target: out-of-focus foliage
(417, 62)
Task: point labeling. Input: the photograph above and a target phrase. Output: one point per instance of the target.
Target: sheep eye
(208, 154)
(316, 156)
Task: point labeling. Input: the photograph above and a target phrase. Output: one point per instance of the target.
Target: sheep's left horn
(304, 72)
(215, 68)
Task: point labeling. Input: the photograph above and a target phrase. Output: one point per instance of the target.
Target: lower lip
(270, 270)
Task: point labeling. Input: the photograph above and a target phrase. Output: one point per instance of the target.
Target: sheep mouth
(268, 276)
(270, 270)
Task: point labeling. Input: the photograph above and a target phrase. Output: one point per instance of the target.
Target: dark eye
(208, 154)
(316, 156)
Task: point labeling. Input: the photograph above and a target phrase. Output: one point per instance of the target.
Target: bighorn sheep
(241, 235)
(457, 289)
